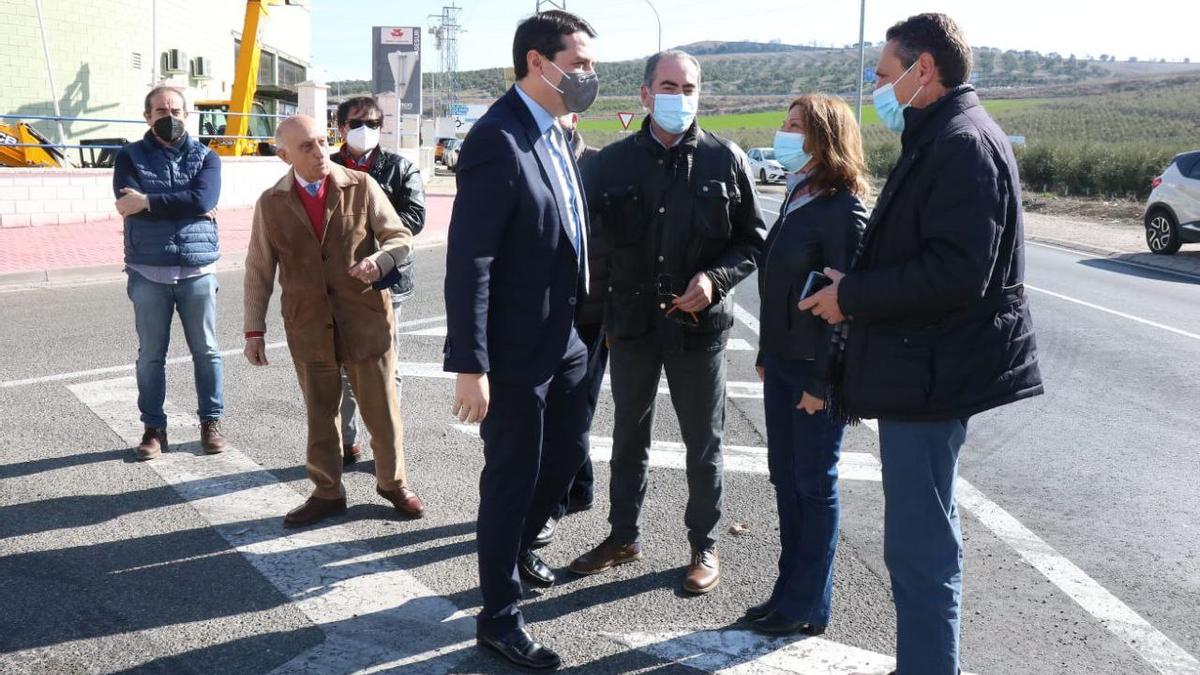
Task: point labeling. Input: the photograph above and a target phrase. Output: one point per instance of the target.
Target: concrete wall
(32, 197)
(93, 46)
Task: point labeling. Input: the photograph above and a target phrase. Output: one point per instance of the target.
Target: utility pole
(862, 61)
(550, 4)
(446, 31)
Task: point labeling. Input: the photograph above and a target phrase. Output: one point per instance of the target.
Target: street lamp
(659, 20)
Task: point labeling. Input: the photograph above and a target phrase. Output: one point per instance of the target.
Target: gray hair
(652, 63)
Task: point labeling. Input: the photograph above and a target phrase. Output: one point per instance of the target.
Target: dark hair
(363, 103)
(544, 33)
(938, 36)
(652, 64)
(161, 89)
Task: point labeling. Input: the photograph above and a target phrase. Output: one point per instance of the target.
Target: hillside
(779, 70)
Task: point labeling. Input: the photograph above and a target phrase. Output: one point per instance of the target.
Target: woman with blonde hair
(819, 225)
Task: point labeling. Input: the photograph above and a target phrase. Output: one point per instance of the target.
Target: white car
(1173, 210)
(450, 153)
(764, 167)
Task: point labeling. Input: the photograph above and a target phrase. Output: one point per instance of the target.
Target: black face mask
(170, 129)
(578, 90)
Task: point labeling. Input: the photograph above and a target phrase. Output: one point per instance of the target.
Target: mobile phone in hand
(816, 281)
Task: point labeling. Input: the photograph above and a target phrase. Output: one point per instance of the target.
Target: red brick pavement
(57, 247)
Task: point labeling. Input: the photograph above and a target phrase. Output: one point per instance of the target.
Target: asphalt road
(1082, 554)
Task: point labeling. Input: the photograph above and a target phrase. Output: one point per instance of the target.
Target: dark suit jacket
(512, 275)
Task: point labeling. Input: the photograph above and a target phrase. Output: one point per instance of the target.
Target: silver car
(1173, 210)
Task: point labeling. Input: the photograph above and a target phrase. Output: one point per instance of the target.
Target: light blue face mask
(890, 112)
(789, 150)
(675, 113)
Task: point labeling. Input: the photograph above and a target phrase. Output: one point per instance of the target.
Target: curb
(1170, 264)
(65, 276)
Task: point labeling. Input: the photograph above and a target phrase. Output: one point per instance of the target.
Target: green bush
(1091, 169)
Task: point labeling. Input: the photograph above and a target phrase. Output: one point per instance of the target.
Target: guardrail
(106, 145)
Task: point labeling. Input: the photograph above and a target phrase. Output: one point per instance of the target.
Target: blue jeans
(922, 540)
(802, 454)
(153, 306)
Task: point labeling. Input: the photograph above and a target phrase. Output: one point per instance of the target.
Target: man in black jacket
(589, 322)
(938, 328)
(677, 204)
(359, 121)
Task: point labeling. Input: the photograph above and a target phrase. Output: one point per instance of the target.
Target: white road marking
(735, 389)
(741, 652)
(1123, 315)
(747, 317)
(436, 331)
(374, 615)
(1121, 620)
(1118, 261)
(739, 345)
(112, 370)
(129, 367)
(857, 466)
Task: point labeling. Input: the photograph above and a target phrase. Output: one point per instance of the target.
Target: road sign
(626, 118)
(869, 75)
(466, 115)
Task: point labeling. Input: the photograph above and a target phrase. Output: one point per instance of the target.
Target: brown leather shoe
(210, 437)
(154, 443)
(351, 453)
(607, 555)
(404, 499)
(703, 572)
(314, 510)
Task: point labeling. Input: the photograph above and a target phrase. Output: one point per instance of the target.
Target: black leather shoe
(758, 611)
(546, 535)
(775, 623)
(519, 648)
(535, 570)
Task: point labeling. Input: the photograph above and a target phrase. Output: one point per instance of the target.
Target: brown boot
(314, 510)
(404, 499)
(606, 556)
(351, 453)
(210, 437)
(703, 572)
(154, 443)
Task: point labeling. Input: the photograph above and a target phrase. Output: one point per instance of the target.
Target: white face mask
(363, 139)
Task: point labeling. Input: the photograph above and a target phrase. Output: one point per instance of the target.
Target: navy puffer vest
(166, 241)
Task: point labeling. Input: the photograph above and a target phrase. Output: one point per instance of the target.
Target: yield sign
(626, 118)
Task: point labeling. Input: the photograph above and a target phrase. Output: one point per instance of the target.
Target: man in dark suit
(516, 267)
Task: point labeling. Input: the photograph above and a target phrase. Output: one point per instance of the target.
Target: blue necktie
(312, 189)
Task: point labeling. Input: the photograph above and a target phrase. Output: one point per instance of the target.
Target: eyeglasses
(371, 124)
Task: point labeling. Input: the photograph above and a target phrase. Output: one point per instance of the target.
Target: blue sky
(341, 28)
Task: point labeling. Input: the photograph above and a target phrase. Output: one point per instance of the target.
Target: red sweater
(315, 208)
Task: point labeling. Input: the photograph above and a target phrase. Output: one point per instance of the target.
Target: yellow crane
(236, 111)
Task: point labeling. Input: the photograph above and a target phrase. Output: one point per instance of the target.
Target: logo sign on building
(465, 116)
(397, 36)
(626, 118)
(386, 40)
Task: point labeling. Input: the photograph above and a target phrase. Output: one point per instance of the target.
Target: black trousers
(581, 490)
(534, 441)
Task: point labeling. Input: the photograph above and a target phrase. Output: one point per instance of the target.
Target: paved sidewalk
(69, 253)
(59, 253)
(1108, 240)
